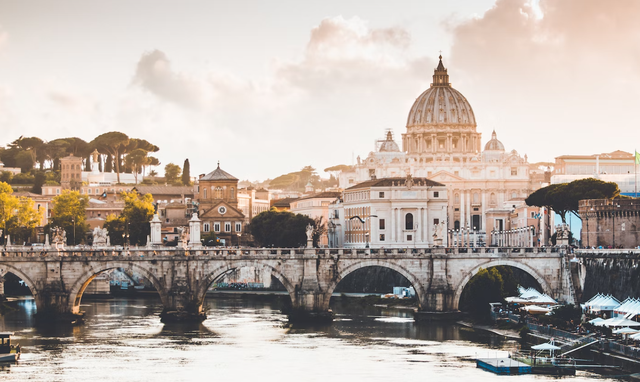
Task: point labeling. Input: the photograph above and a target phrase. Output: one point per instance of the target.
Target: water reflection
(246, 339)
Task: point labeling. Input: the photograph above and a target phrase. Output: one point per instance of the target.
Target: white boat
(8, 352)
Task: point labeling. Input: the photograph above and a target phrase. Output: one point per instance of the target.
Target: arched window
(408, 221)
(205, 192)
(233, 195)
(218, 193)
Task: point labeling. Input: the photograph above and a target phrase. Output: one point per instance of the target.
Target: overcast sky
(268, 87)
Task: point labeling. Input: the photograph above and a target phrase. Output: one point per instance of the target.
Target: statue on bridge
(59, 237)
(438, 233)
(309, 236)
(183, 233)
(100, 236)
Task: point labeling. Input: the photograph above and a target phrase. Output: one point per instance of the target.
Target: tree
(24, 220)
(172, 173)
(137, 159)
(134, 219)
(565, 197)
(69, 213)
(32, 146)
(25, 161)
(484, 288)
(186, 176)
(38, 181)
(280, 229)
(114, 144)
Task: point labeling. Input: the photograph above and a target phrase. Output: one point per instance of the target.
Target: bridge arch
(78, 287)
(413, 279)
(218, 272)
(6, 268)
(495, 263)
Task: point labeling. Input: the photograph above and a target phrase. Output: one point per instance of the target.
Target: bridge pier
(52, 305)
(310, 303)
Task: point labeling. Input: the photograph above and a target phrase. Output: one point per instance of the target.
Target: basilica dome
(494, 144)
(388, 145)
(441, 104)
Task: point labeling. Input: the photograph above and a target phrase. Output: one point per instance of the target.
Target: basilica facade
(442, 144)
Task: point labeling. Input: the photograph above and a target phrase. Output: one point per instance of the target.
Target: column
(393, 225)
(462, 212)
(483, 217)
(156, 235)
(468, 207)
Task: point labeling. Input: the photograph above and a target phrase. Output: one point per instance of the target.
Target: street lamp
(364, 226)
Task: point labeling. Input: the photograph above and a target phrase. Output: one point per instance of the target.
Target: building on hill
(12, 170)
(390, 212)
(315, 206)
(442, 144)
(283, 204)
(217, 195)
(252, 202)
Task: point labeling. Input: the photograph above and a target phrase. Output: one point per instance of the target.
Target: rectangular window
(205, 227)
(381, 224)
(456, 209)
(381, 195)
(436, 194)
(216, 227)
(436, 221)
(409, 237)
(382, 237)
(88, 190)
(238, 227)
(227, 227)
(514, 171)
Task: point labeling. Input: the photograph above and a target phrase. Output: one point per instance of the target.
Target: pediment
(213, 212)
(444, 176)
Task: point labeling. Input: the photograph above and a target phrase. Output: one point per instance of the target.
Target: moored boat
(8, 351)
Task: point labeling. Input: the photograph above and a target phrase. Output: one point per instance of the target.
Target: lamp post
(475, 236)
(239, 239)
(364, 226)
(74, 230)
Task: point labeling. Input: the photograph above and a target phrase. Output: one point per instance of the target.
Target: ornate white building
(443, 145)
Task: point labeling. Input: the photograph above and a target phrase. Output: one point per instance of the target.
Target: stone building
(442, 144)
(610, 223)
(217, 195)
(71, 172)
(390, 212)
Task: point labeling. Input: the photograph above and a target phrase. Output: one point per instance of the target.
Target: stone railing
(119, 251)
(634, 252)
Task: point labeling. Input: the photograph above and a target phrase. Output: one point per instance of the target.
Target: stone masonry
(58, 279)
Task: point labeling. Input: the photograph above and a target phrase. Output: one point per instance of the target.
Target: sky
(267, 88)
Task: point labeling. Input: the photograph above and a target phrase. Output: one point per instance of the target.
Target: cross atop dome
(440, 76)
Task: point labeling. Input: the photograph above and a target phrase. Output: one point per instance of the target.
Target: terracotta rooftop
(322, 195)
(218, 174)
(164, 190)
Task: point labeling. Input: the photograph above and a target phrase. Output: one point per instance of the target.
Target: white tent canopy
(626, 330)
(546, 346)
(602, 302)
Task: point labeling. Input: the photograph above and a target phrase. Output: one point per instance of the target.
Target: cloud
(154, 74)
(345, 53)
(557, 71)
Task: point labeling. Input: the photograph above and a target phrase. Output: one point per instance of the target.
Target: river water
(248, 339)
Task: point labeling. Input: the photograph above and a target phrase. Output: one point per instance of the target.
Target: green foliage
(18, 216)
(280, 229)
(296, 180)
(564, 317)
(133, 221)
(24, 178)
(112, 143)
(69, 213)
(38, 181)
(6, 176)
(340, 167)
(137, 159)
(172, 174)
(565, 197)
(25, 161)
(186, 173)
(488, 285)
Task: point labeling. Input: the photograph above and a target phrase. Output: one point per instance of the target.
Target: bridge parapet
(183, 276)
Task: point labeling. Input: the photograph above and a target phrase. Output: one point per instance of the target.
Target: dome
(494, 144)
(389, 145)
(441, 104)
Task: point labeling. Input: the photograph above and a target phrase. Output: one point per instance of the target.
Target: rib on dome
(441, 104)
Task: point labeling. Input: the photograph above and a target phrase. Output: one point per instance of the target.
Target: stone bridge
(182, 277)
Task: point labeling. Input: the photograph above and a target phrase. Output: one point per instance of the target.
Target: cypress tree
(186, 176)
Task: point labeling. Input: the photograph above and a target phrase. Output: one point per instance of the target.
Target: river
(248, 339)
